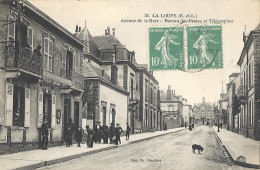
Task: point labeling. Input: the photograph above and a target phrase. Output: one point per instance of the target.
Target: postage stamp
(166, 50)
(204, 45)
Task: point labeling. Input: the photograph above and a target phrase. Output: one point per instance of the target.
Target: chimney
(76, 29)
(108, 30)
(103, 72)
(79, 29)
(169, 92)
(114, 31)
(114, 70)
(105, 32)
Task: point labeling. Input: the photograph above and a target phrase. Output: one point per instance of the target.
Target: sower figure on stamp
(163, 45)
(128, 129)
(201, 45)
(90, 135)
(118, 131)
(45, 134)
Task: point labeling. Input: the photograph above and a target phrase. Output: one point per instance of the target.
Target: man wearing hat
(98, 132)
(111, 132)
(45, 134)
(118, 131)
(90, 135)
(128, 129)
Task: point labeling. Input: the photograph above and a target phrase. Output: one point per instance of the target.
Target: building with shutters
(104, 100)
(110, 61)
(40, 72)
(248, 93)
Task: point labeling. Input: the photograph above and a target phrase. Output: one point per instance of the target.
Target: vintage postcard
(130, 84)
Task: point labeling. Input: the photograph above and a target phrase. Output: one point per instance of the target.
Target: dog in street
(198, 147)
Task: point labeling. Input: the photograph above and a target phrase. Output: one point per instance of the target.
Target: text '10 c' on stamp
(166, 50)
(204, 47)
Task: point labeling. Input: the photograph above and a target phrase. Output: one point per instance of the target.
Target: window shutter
(30, 37)
(63, 59)
(9, 105)
(40, 110)
(27, 108)
(74, 61)
(110, 115)
(53, 111)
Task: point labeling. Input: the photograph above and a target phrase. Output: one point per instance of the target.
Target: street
(172, 151)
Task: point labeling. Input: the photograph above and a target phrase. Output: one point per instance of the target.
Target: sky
(99, 14)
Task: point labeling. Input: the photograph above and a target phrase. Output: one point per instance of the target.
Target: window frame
(48, 54)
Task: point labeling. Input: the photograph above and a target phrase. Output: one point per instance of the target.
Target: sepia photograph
(129, 84)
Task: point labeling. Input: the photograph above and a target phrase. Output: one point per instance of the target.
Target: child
(78, 136)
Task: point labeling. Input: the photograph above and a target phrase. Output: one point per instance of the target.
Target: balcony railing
(136, 96)
(241, 94)
(76, 78)
(25, 60)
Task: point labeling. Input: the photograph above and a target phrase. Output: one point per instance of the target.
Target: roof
(248, 43)
(257, 27)
(90, 71)
(163, 97)
(85, 36)
(50, 20)
(203, 106)
(107, 42)
(234, 74)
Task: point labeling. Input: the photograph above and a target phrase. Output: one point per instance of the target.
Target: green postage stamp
(204, 47)
(166, 48)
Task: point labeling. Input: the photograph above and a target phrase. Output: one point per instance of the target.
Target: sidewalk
(238, 145)
(39, 158)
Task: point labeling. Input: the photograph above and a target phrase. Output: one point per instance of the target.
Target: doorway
(76, 114)
(67, 116)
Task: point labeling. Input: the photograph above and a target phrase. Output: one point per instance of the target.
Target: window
(131, 88)
(146, 116)
(30, 37)
(146, 90)
(249, 75)
(63, 61)
(18, 106)
(48, 54)
(251, 111)
(151, 93)
(252, 74)
(11, 30)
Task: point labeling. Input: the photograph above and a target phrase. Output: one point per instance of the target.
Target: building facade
(149, 110)
(249, 90)
(203, 113)
(233, 112)
(40, 76)
(100, 84)
(172, 108)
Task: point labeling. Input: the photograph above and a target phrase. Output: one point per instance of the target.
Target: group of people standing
(99, 133)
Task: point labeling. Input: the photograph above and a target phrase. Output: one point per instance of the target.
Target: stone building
(249, 89)
(118, 64)
(172, 108)
(104, 99)
(149, 109)
(203, 113)
(40, 76)
(233, 113)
